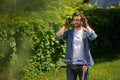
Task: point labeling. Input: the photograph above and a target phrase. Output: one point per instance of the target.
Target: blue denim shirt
(68, 35)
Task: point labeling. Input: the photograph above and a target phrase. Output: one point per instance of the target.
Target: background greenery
(28, 45)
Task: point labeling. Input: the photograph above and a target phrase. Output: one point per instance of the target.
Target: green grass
(100, 71)
(106, 71)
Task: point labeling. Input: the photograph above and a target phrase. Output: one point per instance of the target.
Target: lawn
(106, 68)
(100, 71)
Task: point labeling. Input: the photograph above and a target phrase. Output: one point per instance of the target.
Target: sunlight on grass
(105, 71)
(101, 71)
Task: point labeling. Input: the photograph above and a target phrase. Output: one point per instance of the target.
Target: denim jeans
(72, 73)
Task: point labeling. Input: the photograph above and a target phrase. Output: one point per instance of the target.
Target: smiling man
(77, 45)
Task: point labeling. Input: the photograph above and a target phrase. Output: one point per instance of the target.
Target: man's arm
(89, 29)
(86, 25)
(61, 31)
(91, 33)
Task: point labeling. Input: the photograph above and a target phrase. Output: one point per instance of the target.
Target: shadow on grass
(107, 56)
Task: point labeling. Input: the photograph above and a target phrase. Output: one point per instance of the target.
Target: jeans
(73, 72)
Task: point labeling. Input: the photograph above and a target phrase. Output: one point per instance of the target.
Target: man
(77, 45)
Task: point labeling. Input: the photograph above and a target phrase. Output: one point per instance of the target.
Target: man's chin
(76, 26)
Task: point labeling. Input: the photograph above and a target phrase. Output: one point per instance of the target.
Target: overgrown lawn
(100, 71)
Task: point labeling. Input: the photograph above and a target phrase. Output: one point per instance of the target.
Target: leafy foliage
(28, 41)
(106, 24)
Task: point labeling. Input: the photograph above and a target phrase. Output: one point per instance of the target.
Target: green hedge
(106, 23)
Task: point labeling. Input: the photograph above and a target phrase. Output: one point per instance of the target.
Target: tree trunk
(86, 1)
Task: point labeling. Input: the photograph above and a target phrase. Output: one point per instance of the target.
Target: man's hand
(84, 67)
(86, 25)
(65, 25)
(67, 22)
(85, 22)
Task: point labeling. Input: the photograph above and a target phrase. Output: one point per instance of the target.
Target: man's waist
(75, 66)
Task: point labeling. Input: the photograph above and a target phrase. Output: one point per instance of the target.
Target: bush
(28, 42)
(106, 24)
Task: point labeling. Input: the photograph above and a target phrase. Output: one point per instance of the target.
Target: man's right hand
(67, 22)
(65, 25)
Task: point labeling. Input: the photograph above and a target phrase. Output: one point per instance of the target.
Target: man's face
(77, 21)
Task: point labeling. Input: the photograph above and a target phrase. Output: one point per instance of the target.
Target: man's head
(76, 19)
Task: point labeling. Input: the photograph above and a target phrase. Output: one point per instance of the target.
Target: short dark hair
(77, 14)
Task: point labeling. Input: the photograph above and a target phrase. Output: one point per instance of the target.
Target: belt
(74, 66)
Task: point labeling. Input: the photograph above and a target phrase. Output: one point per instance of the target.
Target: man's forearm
(61, 31)
(89, 29)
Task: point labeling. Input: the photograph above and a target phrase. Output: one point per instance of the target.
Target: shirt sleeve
(59, 37)
(92, 35)
(64, 36)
